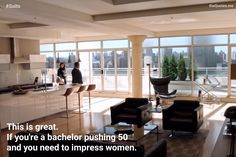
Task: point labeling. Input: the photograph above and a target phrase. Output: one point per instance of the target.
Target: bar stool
(80, 90)
(68, 92)
(90, 88)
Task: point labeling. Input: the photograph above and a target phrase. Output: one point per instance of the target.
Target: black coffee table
(123, 128)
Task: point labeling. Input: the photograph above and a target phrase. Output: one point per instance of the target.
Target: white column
(137, 41)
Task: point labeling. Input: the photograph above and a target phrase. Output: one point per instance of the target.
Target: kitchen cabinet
(33, 105)
(4, 62)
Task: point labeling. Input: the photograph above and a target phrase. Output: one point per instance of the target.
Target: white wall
(18, 75)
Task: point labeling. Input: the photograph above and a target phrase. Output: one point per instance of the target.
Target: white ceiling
(73, 19)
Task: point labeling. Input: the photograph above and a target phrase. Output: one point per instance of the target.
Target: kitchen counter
(23, 86)
(35, 104)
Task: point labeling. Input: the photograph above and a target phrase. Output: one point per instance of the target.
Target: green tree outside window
(182, 71)
(173, 71)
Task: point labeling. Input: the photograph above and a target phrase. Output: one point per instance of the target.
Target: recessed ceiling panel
(25, 25)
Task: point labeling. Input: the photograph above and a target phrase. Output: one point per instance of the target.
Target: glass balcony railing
(120, 77)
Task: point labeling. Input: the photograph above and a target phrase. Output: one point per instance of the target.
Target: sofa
(132, 111)
(183, 115)
(159, 149)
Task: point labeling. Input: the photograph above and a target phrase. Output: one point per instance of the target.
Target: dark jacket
(76, 76)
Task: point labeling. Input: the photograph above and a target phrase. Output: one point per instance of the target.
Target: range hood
(20, 60)
(25, 51)
(31, 61)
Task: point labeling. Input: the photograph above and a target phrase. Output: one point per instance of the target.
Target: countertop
(41, 90)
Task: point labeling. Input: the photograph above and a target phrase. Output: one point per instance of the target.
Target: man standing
(76, 74)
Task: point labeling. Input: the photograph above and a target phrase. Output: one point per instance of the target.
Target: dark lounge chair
(160, 86)
(132, 111)
(183, 115)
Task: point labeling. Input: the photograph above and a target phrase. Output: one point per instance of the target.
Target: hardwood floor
(100, 116)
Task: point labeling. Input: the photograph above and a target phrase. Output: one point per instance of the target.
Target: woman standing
(62, 72)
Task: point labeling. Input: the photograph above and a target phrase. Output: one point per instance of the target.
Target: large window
(150, 57)
(233, 38)
(175, 41)
(106, 63)
(49, 59)
(109, 70)
(89, 45)
(96, 69)
(150, 42)
(175, 55)
(233, 55)
(47, 50)
(233, 61)
(210, 39)
(65, 46)
(122, 70)
(46, 47)
(85, 66)
(115, 44)
(68, 58)
(212, 61)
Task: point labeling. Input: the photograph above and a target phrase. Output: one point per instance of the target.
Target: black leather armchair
(132, 111)
(183, 115)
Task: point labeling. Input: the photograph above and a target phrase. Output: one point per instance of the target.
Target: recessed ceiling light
(172, 20)
(186, 20)
(120, 2)
(25, 25)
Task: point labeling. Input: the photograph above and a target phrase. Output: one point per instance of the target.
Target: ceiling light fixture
(173, 20)
(58, 59)
(69, 59)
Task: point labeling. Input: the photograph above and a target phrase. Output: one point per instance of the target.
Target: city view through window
(109, 63)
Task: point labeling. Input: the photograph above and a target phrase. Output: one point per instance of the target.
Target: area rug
(180, 145)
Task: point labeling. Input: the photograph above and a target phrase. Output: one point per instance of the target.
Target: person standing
(61, 72)
(76, 74)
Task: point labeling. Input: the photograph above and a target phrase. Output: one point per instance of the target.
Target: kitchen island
(35, 104)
